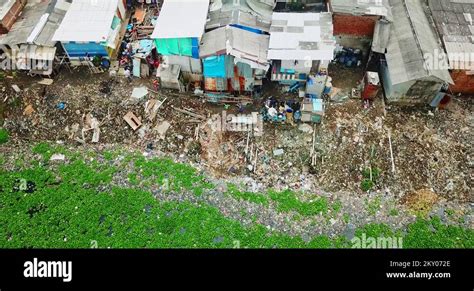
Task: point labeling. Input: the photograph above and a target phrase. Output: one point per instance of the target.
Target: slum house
(355, 21)
(252, 15)
(91, 30)
(404, 74)
(454, 23)
(177, 34)
(300, 44)
(9, 12)
(234, 59)
(29, 45)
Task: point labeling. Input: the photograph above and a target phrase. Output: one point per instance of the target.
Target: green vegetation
(70, 212)
(370, 177)
(337, 206)
(346, 218)
(3, 135)
(287, 201)
(394, 212)
(367, 185)
(374, 205)
(257, 198)
(73, 205)
(171, 175)
(424, 233)
(450, 212)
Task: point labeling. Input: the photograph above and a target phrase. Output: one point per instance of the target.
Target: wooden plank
(132, 120)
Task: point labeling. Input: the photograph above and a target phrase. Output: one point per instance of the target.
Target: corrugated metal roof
(411, 38)
(237, 42)
(454, 20)
(87, 20)
(362, 7)
(220, 19)
(301, 36)
(45, 37)
(260, 8)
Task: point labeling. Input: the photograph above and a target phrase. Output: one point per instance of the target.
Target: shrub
(3, 135)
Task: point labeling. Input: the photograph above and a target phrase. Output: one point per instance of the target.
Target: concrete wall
(463, 83)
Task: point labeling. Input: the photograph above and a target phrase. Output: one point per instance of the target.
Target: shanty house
(406, 77)
(178, 31)
(29, 45)
(454, 20)
(9, 12)
(234, 59)
(300, 43)
(91, 29)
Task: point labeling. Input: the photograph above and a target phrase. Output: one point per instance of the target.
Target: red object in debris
(371, 86)
(156, 84)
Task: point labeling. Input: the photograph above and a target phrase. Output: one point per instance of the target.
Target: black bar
(93, 269)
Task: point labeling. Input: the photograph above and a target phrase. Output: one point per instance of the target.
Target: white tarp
(87, 21)
(181, 18)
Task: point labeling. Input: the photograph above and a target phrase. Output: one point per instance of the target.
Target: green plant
(374, 205)
(450, 212)
(337, 206)
(367, 185)
(375, 173)
(3, 135)
(257, 198)
(346, 218)
(287, 201)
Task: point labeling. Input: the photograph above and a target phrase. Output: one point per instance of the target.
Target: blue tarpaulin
(254, 30)
(214, 66)
(91, 49)
(218, 67)
(146, 45)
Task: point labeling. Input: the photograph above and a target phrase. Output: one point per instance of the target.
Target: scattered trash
(139, 93)
(278, 152)
(306, 128)
(57, 157)
(28, 110)
(162, 128)
(151, 108)
(46, 82)
(16, 88)
(132, 120)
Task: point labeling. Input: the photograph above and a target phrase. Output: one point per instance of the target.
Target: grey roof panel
(411, 38)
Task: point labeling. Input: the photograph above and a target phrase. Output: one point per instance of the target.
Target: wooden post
(391, 151)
